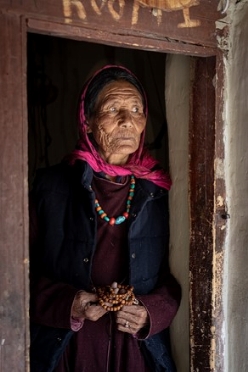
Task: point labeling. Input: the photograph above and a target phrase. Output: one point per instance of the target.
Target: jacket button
(133, 255)
(91, 218)
(86, 259)
(152, 195)
(133, 215)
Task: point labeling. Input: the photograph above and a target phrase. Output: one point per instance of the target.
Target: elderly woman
(102, 296)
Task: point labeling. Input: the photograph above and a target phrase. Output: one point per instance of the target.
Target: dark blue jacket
(67, 220)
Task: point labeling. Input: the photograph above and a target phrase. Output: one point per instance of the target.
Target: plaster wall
(236, 174)
(177, 88)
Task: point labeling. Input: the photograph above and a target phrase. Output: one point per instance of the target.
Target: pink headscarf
(141, 164)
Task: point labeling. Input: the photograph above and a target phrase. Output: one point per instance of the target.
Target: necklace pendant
(119, 220)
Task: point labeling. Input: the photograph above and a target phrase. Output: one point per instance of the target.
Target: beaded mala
(114, 297)
(118, 220)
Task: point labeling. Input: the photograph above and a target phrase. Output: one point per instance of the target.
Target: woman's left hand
(132, 319)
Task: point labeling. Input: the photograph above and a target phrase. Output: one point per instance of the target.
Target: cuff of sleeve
(76, 324)
(144, 333)
(161, 311)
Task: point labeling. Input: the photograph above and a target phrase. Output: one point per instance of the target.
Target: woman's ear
(88, 128)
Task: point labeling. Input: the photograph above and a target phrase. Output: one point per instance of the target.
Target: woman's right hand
(85, 306)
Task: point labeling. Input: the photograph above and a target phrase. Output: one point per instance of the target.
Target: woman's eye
(112, 109)
(135, 109)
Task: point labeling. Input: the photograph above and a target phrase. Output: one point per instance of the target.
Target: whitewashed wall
(177, 107)
(236, 172)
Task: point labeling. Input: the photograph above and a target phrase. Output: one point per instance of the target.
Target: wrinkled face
(118, 121)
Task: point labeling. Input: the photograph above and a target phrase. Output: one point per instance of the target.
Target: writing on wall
(116, 9)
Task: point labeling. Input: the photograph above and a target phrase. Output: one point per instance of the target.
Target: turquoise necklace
(118, 220)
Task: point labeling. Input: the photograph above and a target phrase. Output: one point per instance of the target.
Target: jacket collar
(147, 188)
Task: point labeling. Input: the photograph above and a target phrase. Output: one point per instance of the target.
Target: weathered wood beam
(202, 152)
(193, 24)
(13, 197)
(135, 41)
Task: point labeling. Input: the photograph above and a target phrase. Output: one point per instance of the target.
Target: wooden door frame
(207, 215)
(207, 188)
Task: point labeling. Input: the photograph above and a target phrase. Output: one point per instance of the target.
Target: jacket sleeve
(50, 301)
(162, 305)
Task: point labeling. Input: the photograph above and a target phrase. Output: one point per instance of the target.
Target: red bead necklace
(120, 219)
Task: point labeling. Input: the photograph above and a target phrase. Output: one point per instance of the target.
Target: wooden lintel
(135, 41)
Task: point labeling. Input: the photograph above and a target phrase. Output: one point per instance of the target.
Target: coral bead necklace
(118, 220)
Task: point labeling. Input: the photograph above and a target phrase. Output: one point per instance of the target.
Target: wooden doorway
(14, 201)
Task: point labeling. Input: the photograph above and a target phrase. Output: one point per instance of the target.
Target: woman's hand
(85, 306)
(132, 319)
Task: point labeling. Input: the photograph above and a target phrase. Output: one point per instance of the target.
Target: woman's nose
(125, 118)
